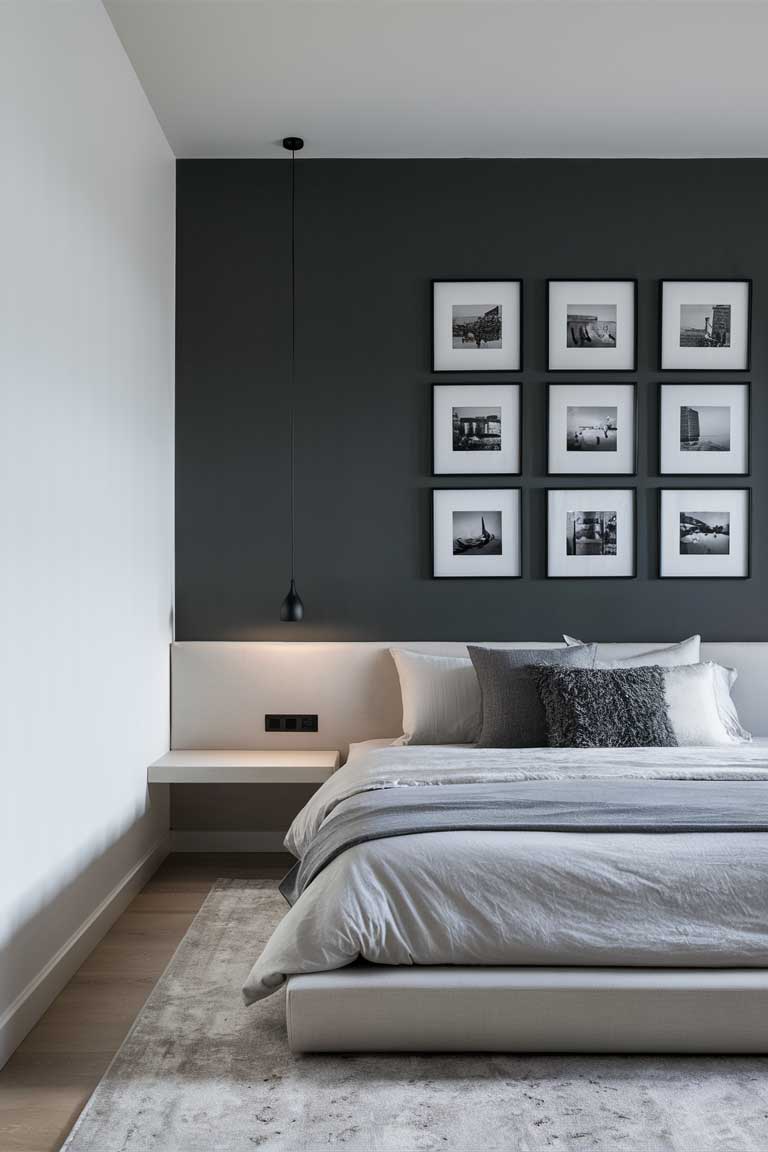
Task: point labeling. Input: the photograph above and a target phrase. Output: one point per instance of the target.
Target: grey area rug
(199, 1072)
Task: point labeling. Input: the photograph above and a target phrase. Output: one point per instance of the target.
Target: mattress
(527, 898)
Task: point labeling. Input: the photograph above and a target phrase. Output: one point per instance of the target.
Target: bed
(643, 926)
(577, 968)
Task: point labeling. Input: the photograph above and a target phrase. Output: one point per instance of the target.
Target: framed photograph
(705, 325)
(477, 325)
(704, 532)
(591, 325)
(591, 533)
(476, 429)
(476, 532)
(592, 429)
(704, 429)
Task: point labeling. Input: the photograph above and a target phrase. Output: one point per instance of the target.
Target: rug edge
(222, 884)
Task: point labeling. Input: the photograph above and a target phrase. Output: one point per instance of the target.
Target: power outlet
(290, 723)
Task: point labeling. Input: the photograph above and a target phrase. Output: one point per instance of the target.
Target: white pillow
(441, 698)
(670, 656)
(687, 652)
(692, 699)
(725, 678)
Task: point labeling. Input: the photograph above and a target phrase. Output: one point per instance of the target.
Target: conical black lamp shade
(292, 608)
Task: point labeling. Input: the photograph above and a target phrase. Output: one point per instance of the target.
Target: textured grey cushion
(513, 716)
(606, 708)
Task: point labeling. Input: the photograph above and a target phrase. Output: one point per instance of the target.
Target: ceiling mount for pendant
(293, 143)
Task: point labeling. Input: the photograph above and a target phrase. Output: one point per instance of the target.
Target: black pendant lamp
(292, 608)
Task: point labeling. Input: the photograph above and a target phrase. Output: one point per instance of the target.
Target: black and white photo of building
(705, 428)
(705, 325)
(591, 533)
(476, 429)
(705, 533)
(477, 533)
(476, 326)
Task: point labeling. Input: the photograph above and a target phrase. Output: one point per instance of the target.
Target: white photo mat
(564, 401)
(722, 414)
(501, 503)
(585, 296)
(504, 398)
(705, 294)
(710, 506)
(450, 294)
(560, 528)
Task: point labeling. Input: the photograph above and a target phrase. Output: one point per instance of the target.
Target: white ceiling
(412, 78)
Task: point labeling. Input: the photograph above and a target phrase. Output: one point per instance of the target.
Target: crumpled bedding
(527, 897)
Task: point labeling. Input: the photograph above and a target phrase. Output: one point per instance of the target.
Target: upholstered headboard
(221, 691)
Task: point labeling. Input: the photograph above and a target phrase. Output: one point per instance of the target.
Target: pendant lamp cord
(292, 376)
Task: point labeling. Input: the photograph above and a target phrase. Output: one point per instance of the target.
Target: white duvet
(683, 899)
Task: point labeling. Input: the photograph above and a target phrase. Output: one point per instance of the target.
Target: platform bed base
(367, 1008)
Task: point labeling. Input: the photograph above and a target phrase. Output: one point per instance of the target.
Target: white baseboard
(32, 1001)
(234, 841)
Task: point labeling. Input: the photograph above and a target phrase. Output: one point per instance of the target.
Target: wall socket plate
(290, 722)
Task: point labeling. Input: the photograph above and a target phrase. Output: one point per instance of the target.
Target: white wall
(86, 386)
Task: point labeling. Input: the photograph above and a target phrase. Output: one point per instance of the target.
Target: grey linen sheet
(487, 896)
(541, 806)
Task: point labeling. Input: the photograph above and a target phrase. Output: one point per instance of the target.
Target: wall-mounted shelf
(214, 766)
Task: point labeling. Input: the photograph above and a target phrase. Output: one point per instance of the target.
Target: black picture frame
(605, 488)
(662, 384)
(635, 439)
(473, 280)
(704, 280)
(473, 488)
(705, 488)
(474, 384)
(633, 280)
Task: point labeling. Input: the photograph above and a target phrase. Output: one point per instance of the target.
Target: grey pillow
(606, 708)
(513, 716)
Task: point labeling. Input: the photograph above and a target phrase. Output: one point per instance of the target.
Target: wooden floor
(49, 1078)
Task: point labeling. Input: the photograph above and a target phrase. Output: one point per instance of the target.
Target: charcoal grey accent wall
(370, 236)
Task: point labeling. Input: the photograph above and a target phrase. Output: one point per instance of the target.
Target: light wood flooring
(49, 1078)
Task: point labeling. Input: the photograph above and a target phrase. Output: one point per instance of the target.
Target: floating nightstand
(214, 766)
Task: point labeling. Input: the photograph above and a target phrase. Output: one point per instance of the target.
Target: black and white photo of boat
(705, 533)
(477, 533)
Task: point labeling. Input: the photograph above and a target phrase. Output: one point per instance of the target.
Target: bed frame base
(367, 1008)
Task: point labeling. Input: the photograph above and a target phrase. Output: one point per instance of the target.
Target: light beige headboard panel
(221, 691)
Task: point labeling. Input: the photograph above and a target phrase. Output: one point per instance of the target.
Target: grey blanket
(659, 806)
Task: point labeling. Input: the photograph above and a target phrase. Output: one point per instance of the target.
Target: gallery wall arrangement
(528, 399)
(592, 429)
